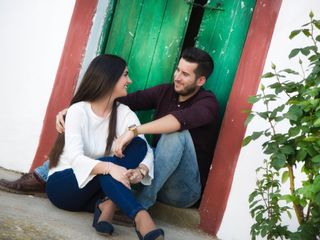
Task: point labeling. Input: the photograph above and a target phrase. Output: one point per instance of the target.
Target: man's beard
(187, 90)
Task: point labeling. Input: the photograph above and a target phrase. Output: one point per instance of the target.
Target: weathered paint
(67, 74)
(100, 30)
(123, 28)
(232, 130)
(109, 10)
(222, 34)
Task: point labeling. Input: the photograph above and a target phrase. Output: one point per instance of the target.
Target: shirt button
(178, 105)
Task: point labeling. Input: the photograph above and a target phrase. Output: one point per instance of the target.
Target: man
(184, 129)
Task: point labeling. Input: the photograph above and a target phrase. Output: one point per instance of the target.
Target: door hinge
(218, 6)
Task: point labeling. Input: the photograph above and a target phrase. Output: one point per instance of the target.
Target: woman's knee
(137, 147)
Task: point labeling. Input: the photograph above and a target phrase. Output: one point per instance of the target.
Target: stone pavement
(24, 217)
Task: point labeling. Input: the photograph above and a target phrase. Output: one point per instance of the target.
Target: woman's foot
(107, 209)
(146, 228)
(103, 214)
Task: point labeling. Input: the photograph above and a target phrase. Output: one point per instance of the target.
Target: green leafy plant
(292, 98)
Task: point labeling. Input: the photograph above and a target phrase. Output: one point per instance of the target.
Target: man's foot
(28, 183)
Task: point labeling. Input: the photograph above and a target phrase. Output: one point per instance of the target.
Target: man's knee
(175, 137)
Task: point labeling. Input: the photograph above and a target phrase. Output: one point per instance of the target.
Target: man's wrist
(134, 129)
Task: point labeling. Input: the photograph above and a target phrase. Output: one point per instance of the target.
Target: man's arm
(166, 124)
(60, 120)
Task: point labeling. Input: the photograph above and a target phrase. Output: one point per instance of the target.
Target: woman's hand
(134, 176)
(119, 174)
(122, 142)
(60, 120)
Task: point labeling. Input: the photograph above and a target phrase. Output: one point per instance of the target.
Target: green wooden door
(149, 35)
(222, 33)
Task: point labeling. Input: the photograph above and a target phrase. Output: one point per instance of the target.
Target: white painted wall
(33, 33)
(237, 221)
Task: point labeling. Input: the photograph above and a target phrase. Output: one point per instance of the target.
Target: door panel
(149, 34)
(123, 28)
(222, 34)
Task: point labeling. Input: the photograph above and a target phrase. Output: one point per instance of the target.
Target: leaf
(317, 199)
(287, 198)
(306, 32)
(301, 155)
(290, 71)
(316, 23)
(246, 111)
(252, 196)
(253, 99)
(294, 52)
(279, 161)
(314, 57)
(294, 113)
(249, 118)
(305, 51)
(246, 141)
(316, 159)
(287, 149)
(318, 38)
(294, 33)
(263, 115)
(256, 135)
(316, 123)
(311, 139)
(268, 75)
(294, 131)
(285, 176)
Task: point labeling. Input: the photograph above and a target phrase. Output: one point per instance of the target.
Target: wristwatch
(133, 128)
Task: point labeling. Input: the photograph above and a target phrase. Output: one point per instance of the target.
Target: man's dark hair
(202, 58)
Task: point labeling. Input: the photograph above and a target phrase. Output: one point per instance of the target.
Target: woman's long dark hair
(99, 81)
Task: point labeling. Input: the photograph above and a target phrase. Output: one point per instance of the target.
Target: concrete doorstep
(25, 217)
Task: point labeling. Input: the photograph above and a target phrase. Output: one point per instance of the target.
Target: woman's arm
(117, 172)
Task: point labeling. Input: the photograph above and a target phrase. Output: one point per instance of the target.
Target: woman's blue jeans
(63, 191)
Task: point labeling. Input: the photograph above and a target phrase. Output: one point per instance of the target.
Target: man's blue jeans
(176, 173)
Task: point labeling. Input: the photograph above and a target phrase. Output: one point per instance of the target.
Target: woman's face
(120, 89)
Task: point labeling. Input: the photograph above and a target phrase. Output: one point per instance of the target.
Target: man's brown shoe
(28, 184)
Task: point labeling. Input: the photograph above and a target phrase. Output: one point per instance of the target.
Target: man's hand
(122, 142)
(60, 120)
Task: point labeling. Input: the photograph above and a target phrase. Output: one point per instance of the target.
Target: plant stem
(297, 208)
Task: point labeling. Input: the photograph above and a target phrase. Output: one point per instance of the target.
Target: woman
(79, 174)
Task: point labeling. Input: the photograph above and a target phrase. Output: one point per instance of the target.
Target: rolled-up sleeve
(198, 114)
